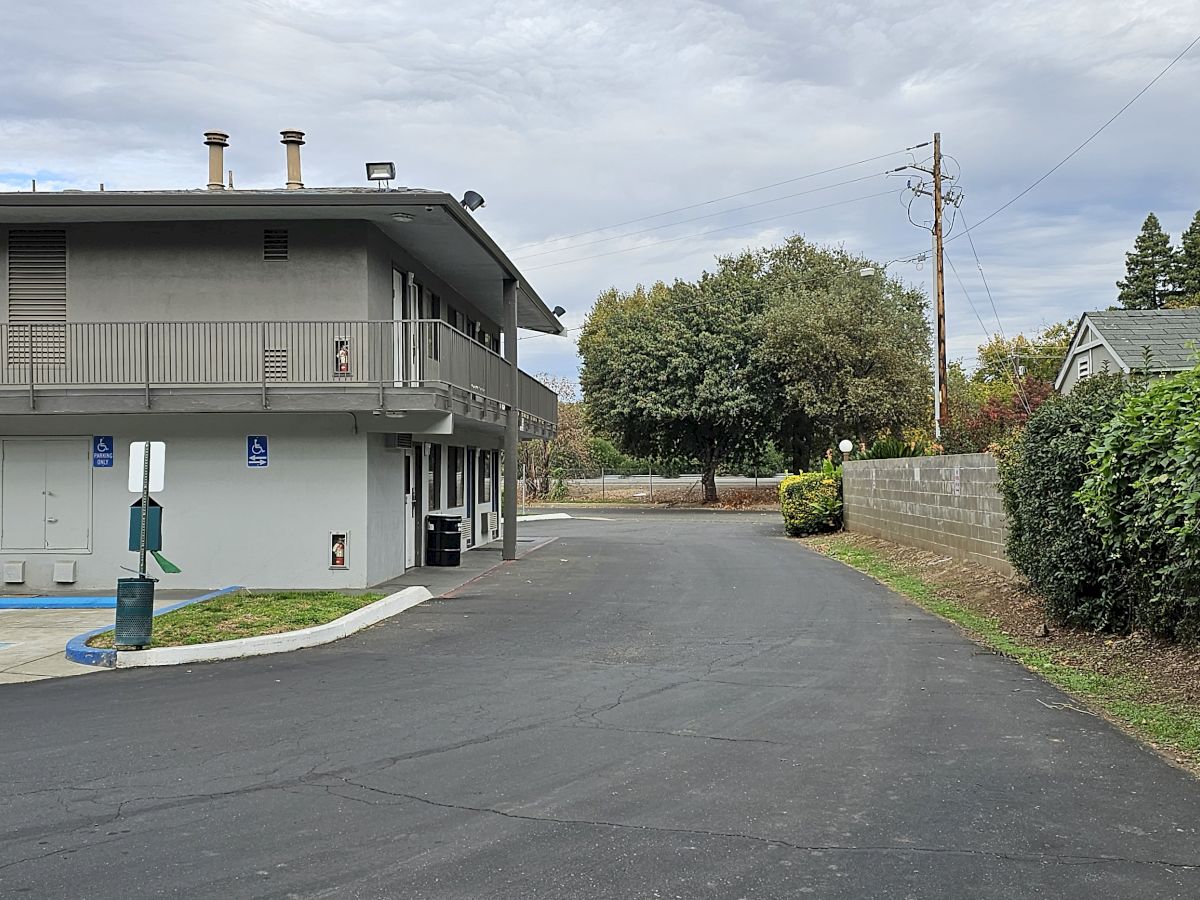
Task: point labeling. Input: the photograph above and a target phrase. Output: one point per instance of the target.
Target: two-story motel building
(325, 366)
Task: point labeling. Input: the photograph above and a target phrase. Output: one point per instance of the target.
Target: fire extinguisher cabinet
(443, 541)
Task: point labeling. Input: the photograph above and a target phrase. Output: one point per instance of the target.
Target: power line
(1089, 139)
(629, 234)
(687, 237)
(765, 187)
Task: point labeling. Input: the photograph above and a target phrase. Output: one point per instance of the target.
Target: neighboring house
(1147, 341)
(325, 366)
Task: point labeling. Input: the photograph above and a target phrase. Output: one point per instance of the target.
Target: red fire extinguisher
(339, 552)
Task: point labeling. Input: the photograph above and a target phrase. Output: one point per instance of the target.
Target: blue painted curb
(58, 602)
(78, 650)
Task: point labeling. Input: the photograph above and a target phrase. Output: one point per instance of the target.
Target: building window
(485, 476)
(454, 468)
(275, 244)
(1084, 367)
(433, 485)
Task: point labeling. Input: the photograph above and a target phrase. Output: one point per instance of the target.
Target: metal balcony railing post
(32, 397)
(262, 361)
(146, 359)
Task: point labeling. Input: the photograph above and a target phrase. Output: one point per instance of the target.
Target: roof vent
(293, 140)
(216, 141)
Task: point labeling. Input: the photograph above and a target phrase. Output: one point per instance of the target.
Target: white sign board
(137, 460)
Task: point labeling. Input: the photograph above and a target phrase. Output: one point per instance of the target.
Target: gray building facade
(363, 340)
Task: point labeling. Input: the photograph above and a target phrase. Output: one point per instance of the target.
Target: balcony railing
(264, 355)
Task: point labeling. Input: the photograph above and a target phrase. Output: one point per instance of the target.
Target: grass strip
(246, 614)
(1168, 725)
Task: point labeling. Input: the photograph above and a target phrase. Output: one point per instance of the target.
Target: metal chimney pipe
(293, 141)
(216, 141)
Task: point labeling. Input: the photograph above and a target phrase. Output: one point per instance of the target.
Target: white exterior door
(47, 495)
(411, 532)
(406, 310)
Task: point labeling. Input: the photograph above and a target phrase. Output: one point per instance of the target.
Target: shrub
(811, 502)
(1144, 495)
(1040, 472)
(894, 448)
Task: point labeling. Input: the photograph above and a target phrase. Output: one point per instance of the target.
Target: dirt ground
(1170, 671)
(671, 493)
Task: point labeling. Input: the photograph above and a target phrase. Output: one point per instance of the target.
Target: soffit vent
(275, 244)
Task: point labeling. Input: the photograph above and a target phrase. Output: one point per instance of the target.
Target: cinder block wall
(949, 504)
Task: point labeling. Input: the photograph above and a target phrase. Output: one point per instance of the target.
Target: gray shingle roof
(1170, 336)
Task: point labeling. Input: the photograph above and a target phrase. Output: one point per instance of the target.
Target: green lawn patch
(1169, 725)
(246, 614)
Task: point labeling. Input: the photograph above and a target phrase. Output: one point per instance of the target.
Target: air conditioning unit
(397, 442)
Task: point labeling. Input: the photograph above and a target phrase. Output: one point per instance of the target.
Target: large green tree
(846, 349)
(669, 371)
(1150, 269)
(1187, 266)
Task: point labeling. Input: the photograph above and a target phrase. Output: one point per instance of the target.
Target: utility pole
(941, 388)
(940, 284)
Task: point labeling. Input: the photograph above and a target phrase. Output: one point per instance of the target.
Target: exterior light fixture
(846, 445)
(472, 201)
(381, 171)
(557, 311)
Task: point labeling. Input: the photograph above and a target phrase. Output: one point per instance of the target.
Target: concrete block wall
(948, 504)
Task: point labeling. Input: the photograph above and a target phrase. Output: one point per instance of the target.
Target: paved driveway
(660, 705)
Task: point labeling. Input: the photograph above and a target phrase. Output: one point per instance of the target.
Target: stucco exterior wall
(206, 271)
(949, 504)
(223, 523)
(384, 255)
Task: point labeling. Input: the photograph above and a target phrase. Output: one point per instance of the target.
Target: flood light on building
(557, 311)
(472, 201)
(381, 171)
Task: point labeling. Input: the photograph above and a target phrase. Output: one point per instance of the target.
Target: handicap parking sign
(256, 451)
(102, 451)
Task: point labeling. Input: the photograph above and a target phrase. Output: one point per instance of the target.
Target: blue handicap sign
(102, 451)
(256, 451)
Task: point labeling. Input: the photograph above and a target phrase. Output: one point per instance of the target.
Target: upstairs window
(275, 244)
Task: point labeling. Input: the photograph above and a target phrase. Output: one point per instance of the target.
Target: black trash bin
(443, 545)
(135, 610)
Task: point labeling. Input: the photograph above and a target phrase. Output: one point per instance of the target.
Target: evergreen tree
(1187, 270)
(1149, 270)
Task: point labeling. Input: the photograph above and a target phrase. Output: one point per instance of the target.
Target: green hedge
(811, 502)
(1143, 497)
(1040, 474)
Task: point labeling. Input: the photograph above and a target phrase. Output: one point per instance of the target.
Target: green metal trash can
(135, 612)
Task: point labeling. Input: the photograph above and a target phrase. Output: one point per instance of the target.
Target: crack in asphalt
(1064, 859)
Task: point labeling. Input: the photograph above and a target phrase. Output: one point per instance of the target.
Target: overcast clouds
(567, 116)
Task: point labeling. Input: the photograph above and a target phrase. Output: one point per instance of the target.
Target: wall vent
(37, 296)
(275, 243)
(1084, 369)
(275, 363)
(397, 441)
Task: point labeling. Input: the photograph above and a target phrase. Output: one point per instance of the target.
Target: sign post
(145, 509)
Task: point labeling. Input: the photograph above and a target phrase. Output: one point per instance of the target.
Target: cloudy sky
(573, 118)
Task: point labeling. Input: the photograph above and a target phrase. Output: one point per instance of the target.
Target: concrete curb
(276, 643)
(78, 651)
(58, 602)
